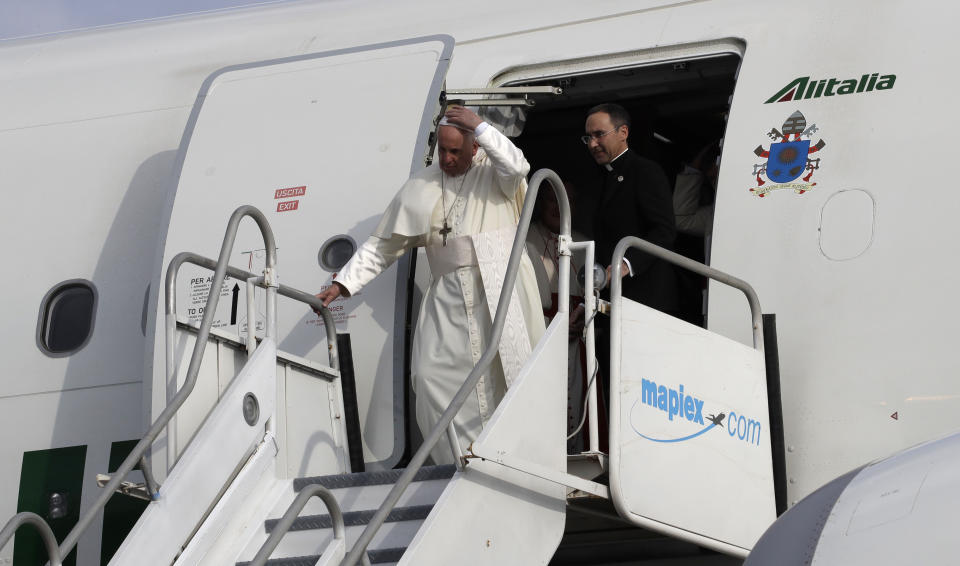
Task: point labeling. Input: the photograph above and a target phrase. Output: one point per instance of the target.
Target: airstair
(228, 497)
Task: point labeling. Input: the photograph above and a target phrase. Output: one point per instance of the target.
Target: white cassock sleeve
(372, 258)
(691, 218)
(507, 159)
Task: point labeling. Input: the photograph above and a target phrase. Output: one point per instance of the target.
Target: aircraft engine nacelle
(866, 515)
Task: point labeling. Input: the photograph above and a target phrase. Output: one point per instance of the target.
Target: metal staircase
(504, 502)
(506, 493)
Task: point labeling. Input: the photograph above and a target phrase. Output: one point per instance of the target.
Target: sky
(22, 18)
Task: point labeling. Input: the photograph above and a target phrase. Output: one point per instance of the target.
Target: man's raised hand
(463, 117)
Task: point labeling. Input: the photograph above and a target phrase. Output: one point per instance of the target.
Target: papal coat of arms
(788, 158)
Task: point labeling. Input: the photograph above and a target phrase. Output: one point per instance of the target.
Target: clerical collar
(608, 164)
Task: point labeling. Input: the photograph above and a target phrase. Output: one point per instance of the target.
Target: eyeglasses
(597, 135)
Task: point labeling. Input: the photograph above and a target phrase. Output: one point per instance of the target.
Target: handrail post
(271, 283)
(589, 308)
(170, 324)
(153, 489)
(455, 445)
(509, 279)
(46, 533)
(252, 315)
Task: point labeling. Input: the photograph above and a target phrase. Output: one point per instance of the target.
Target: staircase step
(313, 542)
(383, 555)
(354, 518)
(292, 561)
(371, 497)
(363, 479)
(588, 465)
(379, 556)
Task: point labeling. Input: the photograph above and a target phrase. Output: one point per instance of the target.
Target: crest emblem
(788, 158)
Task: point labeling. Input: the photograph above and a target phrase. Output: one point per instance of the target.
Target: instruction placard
(198, 291)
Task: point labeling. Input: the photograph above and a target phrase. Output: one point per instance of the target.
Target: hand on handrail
(330, 294)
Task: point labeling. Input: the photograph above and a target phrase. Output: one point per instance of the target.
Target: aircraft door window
(66, 318)
(336, 252)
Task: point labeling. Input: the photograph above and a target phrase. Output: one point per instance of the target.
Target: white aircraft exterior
(125, 145)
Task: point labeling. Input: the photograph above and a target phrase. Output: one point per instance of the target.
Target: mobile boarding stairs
(689, 436)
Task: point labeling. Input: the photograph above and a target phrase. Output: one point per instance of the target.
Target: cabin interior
(678, 109)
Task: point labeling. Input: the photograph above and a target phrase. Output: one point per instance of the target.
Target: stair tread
(360, 479)
(381, 555)
(376, 555)
(354, 518)
(291, 561)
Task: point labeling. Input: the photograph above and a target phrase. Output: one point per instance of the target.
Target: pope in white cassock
(464, 211)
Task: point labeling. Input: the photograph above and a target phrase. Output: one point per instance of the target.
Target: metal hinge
(603, 306)
(270, 278)
(563, 245)
(138, 490)
(516, 95)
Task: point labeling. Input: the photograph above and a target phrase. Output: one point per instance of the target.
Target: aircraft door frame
(340, 98)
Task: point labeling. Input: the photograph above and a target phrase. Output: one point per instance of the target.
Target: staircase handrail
(441, 427)
(36, 521)
(293, 511)
(616, 314)
(139, 451)
(616, 285)
(170, 307)
(236, 273)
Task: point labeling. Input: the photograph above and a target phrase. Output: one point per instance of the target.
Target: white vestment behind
(542, 247)
(482, 209)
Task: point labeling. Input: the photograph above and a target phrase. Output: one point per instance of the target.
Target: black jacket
(634, 199)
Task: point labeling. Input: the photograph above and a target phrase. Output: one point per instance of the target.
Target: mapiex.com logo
(686, 411)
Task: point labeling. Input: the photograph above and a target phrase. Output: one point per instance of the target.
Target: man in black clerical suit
(634, 200)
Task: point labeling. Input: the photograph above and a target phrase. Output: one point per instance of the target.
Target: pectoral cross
(444, 231)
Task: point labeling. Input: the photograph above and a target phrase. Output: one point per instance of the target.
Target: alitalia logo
(803, 88)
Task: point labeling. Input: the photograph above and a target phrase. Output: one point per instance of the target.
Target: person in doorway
(694, 193)
(634, 200)
(464, 210)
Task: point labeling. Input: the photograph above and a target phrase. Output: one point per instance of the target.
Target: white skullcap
(444, 122)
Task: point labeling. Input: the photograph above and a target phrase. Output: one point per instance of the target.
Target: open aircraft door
(690, 449)
(320, 143)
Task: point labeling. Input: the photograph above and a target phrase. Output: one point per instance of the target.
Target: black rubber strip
(377, 556)
(778, 453)
(348, 386)
(339, 481)
(354, 518)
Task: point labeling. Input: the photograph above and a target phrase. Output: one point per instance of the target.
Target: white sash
(493, 253)
(444, 259)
